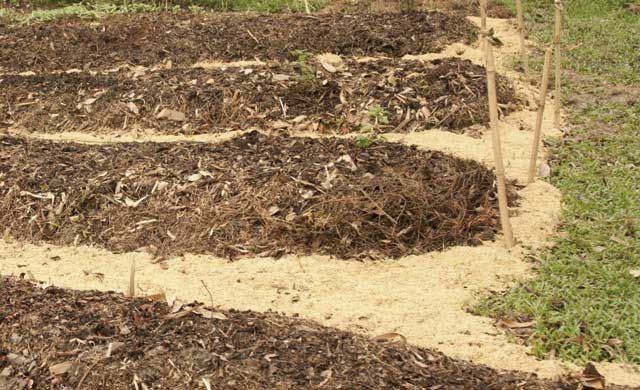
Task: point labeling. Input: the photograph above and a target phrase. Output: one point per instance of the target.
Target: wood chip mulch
(257, 194)
(59, 339)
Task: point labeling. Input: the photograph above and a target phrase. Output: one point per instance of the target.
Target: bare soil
(95, 340)
(255, 194)
(413, 95)
(184, 38)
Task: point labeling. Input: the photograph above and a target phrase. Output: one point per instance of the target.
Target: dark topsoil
(184, 38)
(56, 339)
(253, 195)
(449, 93)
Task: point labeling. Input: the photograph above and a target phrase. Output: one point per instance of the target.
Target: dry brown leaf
(328, 67)
(614, 342)
(61, 368)
(195, 177)
(133, 204)
(133, 108)
(159, 297)
(280, 77)
(592, 379)
(517, 325)
(544, 170)
(171, 115)
(277, 125)
(209, 314)
(390, 337)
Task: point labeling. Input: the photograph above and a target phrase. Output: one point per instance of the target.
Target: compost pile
(185, 38)
(377, 96)
(257, 194)
(94, 340)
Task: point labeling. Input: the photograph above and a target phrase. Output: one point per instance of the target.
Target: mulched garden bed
(184, 38)
(58, 339)
(465, 7)
(257, 194)
(376, 96)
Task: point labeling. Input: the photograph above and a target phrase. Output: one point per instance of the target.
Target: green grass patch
(585, 300)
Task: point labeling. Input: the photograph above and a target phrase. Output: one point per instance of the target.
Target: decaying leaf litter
(373, 96)
(102, 340)
(463, 7)
(131, 203)
(253, 195)
(185, 38)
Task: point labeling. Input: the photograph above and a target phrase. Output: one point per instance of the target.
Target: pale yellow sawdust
(109, 136)
(422, 297)
(214, 64)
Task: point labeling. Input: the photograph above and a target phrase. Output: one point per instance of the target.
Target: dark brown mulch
(59, 339)
(253, 195)
(449, 94)
(183, 38)
(464, 7)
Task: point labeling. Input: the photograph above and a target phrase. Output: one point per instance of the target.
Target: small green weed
(306, 72)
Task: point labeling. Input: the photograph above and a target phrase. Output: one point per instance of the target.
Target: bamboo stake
(306, 6)
(558, 50)
(523, 46)
(497, 148)
(541, 103)
(132, 279)
(483, 25)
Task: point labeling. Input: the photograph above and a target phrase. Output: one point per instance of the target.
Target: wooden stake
(306, 6)
(497, 148)
(132, 279)
(541, 103)
(523, 46)
(558, 50)
(483, 25)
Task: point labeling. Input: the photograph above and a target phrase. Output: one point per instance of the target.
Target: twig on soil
(91, 367)
(541, 104)
(253, 36)
(208, 291)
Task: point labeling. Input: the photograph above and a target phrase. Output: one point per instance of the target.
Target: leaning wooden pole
(557, 36)
(541, 104)
(483, 25)
(497, 148)
(523, 45)
(306, 6)
(132, 279)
